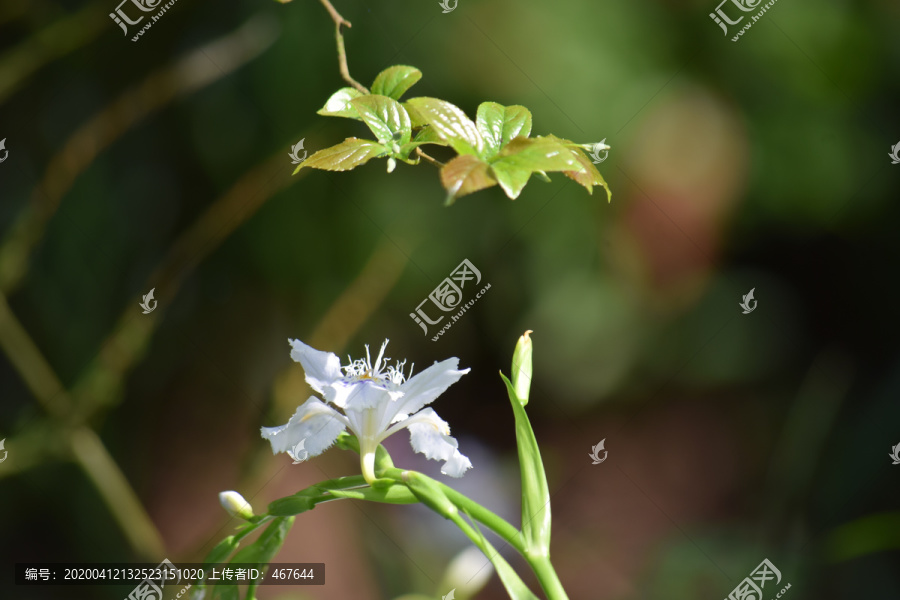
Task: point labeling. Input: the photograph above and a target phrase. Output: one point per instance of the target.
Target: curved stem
(342, 53)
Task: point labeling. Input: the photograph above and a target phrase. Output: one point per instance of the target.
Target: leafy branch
(495, 149)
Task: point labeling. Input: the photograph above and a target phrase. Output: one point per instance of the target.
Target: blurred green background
(163, 163)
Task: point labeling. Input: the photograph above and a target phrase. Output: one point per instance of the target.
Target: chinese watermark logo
(445, 4)
(294, 153)
(6, 152)
(122, 20)
(151, 588)
(751, 588)
(145, 304)
(597, 149)
(298, 453)
(5, 452)
(448, 295)
(595, 452)
(746, 6)
(895, 153)
(895, 453)
(747, 299)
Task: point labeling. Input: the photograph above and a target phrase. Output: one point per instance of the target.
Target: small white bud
(235, 504)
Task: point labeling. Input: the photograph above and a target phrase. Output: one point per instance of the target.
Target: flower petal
(314, 423)
(430, 435)
(423, 388)
(322, 369)
(359, 395)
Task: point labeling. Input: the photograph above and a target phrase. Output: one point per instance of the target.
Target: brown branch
(342, 53)
(433, 161)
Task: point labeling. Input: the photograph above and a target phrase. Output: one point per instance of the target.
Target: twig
(433, 161)
(342, 53)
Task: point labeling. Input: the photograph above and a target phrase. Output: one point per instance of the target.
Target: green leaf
(345, 156)
(522, 156)
(394, 494)
(291, 505)
(511, 178)
(465, 174)
(415, 116)
(394, 81)
(450, 122)
(499, 124)
(535, 492)
(428, 135)
(338, 105)
(386, 117)
(588, 176)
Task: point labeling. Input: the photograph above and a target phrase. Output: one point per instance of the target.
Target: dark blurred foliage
(732, 438)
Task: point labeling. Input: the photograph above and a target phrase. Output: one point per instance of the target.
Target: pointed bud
(235, 504)
(521, 368)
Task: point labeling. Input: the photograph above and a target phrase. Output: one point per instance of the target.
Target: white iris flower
(373, 402)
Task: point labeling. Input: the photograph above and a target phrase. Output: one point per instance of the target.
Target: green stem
(547, 577)
(487, 517)
(481, 514)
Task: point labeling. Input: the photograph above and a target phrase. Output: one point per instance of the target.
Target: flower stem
(481, 514)
(342, 53)
(547, 577)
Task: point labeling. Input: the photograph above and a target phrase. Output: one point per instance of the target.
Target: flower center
(362, 369)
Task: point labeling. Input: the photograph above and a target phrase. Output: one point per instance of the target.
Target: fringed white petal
(322, 369)
(422, 389)
(314, 423)
(430, 435)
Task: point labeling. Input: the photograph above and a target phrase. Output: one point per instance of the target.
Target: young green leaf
(535, 492)
(499, 124)
(345, 156)
(522, 156)
(465, 174)
(588, 176)
(394, 81)
(511, 178)
(427, 135)
(386, 117)
(450, 122)
(338, 105)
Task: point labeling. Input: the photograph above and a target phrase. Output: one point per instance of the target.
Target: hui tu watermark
(724, 21)
(753, 586)
(145, 6)
(448, 297)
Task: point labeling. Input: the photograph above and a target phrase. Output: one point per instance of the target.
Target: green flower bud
(521, 368)
(235, 504)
